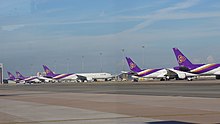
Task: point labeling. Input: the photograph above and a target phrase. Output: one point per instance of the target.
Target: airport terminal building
(1, 73)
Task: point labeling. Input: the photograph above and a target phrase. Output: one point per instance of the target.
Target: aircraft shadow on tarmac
(21, 94)
(168, 122)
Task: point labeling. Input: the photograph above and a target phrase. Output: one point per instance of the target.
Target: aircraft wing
(82, 78)
(45, 79)
(161, 76)
(128, 72)
(182, 74)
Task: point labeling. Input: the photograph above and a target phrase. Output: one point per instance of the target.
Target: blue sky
(59, 32)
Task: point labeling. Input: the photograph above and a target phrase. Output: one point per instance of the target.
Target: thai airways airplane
(160, 73)
(22, 79)
(51, 74)
(199, 69)
(83, 77)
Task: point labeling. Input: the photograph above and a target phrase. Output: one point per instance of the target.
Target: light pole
(82, 63)
(143, 57)
(100, 61)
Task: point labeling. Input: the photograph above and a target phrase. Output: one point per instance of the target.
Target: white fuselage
(93, 76)
(215, 71)
(45, 79)
(157, 74)
(31, 79)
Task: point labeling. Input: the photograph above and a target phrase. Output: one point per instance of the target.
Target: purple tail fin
(181, 59)
(48, 72)
(11, 76)
(20, 76)
(132, 65)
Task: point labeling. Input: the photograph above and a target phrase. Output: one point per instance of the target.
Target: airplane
(160, 73)
(60, 77)
(31, 79)
(81, 77)
(20, 78)
(199, 69)
(96, 76)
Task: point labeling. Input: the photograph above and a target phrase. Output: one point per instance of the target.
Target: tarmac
(153, 102)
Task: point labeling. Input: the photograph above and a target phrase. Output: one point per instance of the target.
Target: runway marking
(187, 110)
(132, 116)
(21, 109)
(90, 119)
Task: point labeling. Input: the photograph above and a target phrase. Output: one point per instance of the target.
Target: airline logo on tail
(47, 71)
(19, 75)
(132, 65)
(11, 76)
(181, 59)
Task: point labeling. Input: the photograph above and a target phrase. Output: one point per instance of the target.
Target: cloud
(178, 6)
(102, 13)
(172, 16)
(160, 13)
(131, 9)
(11, 27)
(168, 13)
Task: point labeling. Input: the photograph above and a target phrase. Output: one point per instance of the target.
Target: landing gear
(162, 79)
(189, 79)
(218, 77)
(135, 80)
(167, 78)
